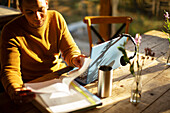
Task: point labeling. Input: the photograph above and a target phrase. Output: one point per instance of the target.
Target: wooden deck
(155, 80)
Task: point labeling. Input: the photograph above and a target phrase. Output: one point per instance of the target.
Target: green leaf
(126, 59)
(122, 50)
(132, 69)
(169, 40)
(165, 27)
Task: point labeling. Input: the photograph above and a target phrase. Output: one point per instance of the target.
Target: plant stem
(168, 55)
(168, 58)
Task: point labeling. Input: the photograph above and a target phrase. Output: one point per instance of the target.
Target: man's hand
(78, 60)
(22, 95)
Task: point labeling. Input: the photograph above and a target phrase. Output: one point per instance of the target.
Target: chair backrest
(89, 20)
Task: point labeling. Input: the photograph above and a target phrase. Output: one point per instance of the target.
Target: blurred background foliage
(146, 14)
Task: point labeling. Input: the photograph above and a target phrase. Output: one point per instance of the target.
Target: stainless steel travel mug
(105, 74)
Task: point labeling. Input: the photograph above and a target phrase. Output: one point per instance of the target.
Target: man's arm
(67, 44)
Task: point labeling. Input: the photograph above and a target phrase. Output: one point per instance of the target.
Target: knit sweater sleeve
(10, 61)
(67, 44)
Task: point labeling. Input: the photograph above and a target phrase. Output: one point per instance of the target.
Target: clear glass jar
(136, 90)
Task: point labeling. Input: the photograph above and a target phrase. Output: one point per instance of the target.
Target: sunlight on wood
(156, 33)
(121, 92)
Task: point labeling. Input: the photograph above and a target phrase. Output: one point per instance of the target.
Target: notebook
(106, 53)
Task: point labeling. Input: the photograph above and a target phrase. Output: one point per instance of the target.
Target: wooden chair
(14, 2)
(161, 6)
(89, 20)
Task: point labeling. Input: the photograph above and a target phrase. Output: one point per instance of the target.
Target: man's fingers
(79, 60)
(24, 92)
(28, 98)
(24, 99)
(23, 95)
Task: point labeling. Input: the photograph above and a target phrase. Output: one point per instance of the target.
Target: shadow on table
(153, 69)
(7, 106)
(155, 100)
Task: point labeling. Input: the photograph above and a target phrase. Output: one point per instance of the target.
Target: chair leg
(9, 3)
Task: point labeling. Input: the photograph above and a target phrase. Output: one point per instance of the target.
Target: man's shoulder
(14, 22)
(54, 13)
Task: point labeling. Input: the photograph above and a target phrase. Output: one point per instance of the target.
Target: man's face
(35, 12)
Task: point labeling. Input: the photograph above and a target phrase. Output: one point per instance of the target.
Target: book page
(49, 86)
(67, 80)
(57, 85)
(64, 102)
(59, 96)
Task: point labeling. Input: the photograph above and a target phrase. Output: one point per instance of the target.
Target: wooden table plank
(151, 70)
(4, 11)
(159, 45)
(162, 105)
(155, 80)
(6, 14)
(153, 89)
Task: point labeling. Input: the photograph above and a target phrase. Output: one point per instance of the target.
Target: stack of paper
(63, 95)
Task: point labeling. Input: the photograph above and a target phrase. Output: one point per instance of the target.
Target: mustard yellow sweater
(28, 53)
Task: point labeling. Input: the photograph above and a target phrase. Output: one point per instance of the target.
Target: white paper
(67, 80)
(58, 95)
(57, 85)
(62, 102)
(49, 86)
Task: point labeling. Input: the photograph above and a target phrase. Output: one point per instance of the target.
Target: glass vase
(136, 90)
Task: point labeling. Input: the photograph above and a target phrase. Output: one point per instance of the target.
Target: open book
(63, 95)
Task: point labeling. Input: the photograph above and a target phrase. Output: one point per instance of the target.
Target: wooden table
(155, 80)
(6, 14)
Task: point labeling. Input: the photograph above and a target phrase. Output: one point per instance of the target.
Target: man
(31, 46)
